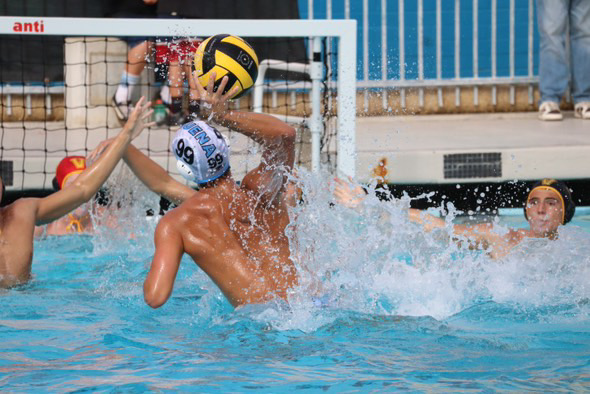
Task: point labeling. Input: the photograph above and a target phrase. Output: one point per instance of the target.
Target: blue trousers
(555, 68)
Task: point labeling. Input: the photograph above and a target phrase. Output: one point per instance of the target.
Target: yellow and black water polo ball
(228, 55)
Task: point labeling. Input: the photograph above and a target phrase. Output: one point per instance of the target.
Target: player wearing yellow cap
(549, 205)
(18, 220)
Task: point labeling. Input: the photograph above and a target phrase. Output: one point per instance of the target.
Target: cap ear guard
(185, 170)
(55, 184)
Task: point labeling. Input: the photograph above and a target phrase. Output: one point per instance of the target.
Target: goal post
(77, 84)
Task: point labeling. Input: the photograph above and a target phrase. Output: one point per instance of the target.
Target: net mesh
(57, 101)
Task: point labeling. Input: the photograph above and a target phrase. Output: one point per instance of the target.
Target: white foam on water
(372, 259)
(124, 220)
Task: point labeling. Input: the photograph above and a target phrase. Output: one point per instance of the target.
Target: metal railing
(27, 91)
(481, 23)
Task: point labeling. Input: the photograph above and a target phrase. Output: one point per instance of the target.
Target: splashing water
(372, 259)
(382, 306)
(125, 216)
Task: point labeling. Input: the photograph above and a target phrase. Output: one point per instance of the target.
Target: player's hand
(213, 103)
(96, 152)
(348, 193)
(139, 118)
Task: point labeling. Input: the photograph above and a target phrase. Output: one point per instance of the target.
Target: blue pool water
(402, 311)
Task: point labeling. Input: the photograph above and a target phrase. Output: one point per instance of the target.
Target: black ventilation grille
(6, 172)
(473, 165)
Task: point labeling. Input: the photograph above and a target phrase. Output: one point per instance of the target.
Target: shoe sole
(551, 118)
(120, 115)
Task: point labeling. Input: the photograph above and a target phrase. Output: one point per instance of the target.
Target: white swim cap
(201, 152)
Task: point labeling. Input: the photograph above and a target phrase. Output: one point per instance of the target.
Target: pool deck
(417, 149)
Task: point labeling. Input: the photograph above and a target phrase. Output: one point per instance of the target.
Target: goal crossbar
(344, 30)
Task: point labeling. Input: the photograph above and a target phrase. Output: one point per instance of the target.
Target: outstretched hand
(213, 102)
(348, 193)
(139, 118)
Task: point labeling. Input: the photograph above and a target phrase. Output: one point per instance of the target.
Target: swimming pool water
(409, 315)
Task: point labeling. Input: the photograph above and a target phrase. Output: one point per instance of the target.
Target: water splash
(125, 219)
(372, 259)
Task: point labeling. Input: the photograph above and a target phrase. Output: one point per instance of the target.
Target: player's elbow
(153, 298)
(288, 133)
(286, 137)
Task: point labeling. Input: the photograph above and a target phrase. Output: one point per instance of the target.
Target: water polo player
(549, 205)
(18, 220)
(78, 221)
(234, 232)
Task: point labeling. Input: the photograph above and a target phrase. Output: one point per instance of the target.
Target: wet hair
(55, 184)
(569, 208)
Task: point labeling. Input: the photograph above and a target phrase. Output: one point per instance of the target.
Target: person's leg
(194, 99)
(161, 69)
(553, 63)
(580, 47)
(176, 83)
(136, 60)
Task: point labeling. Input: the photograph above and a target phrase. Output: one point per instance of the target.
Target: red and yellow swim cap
(68, 166)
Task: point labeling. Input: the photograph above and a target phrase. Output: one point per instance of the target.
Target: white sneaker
(121, 109)
(582, 110)
(549, 110)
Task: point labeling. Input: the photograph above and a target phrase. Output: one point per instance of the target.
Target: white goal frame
(344, 30)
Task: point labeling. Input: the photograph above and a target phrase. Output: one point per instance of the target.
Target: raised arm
(155, 177)
(276, 138)
(88, 182)
(150, 173)
(479, 235)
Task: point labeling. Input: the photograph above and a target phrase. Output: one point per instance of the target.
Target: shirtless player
(549, 205)
(235, 233)
(18, 220)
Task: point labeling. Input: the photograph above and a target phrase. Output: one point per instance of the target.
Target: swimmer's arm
(348, 193)
(155, 177)
(159, 283)
(270, 132)
(428, 221)
(276, 137)
(479, 236)
(277, 140)
(89, 181)
(484, 237)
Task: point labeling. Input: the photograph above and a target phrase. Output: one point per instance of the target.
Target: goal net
(58, 78)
